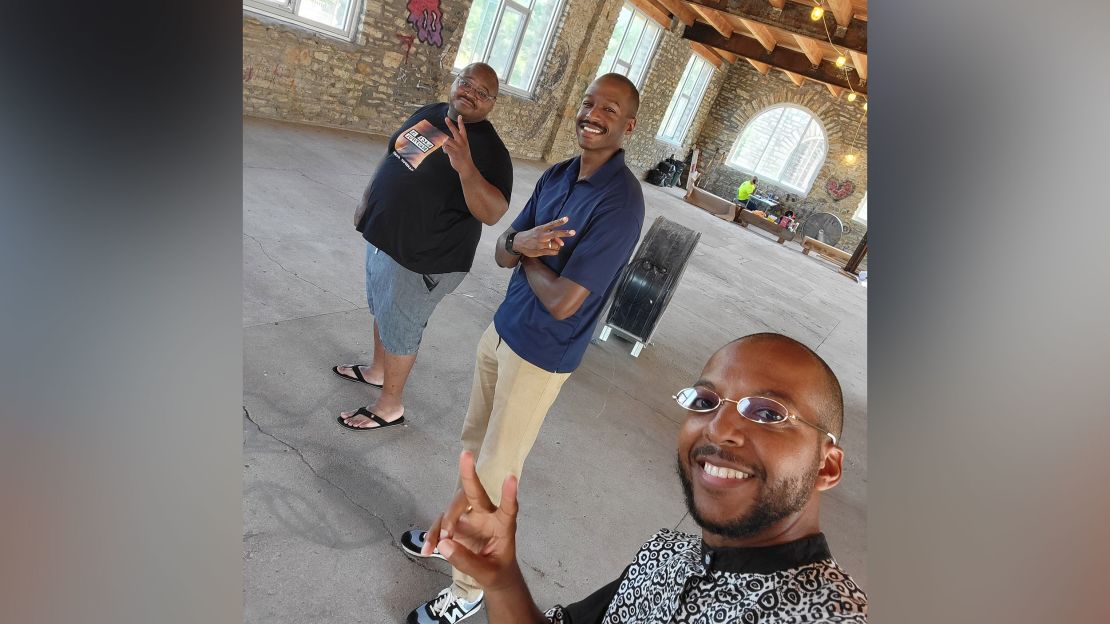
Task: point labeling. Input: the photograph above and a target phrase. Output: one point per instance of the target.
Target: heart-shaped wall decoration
(839, 189)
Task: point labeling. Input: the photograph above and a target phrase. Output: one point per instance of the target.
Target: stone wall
(372, 84)
(744, 94)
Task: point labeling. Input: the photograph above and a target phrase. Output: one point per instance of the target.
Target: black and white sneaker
(413, 540)
(447, 608)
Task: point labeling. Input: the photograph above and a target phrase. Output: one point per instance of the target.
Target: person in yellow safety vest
(743, 194)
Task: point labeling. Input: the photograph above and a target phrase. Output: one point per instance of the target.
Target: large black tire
(650, 279)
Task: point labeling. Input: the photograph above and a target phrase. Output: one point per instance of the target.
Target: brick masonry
(375, 82)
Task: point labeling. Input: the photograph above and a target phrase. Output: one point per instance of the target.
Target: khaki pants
(508, 403)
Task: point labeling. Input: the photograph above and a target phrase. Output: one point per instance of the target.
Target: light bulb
(841, 61)
(816, 13)
(865, 106)
(850, 159)
(852, 96)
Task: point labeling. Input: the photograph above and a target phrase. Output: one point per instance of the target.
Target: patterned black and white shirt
(678, 578)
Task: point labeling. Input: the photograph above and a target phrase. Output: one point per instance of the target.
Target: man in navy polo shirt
(567, 247)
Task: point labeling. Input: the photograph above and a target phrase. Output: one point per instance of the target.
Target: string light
(850, 158)
(841, 61)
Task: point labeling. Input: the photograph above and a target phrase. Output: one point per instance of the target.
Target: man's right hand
(542, 240)
(479, 538)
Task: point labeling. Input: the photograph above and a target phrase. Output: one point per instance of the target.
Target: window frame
(813, 118)
(861, 207)
(653, 47)
(287, 12)
(659, 136)
(495, 27)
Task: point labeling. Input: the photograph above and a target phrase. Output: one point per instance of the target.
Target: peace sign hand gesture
(457, 148)
(542, 240)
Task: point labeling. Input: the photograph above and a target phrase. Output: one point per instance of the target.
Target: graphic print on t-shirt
(414, 144)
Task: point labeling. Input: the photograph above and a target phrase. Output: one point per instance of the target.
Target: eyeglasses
(478, 92)
(756, 409)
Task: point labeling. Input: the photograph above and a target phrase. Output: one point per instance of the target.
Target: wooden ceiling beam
(781, 57)
(762, 34)
(762, 68)
(842, 11)
(810, 48)
(834, 90)
(792, 18)
(778, 4)
(714, 19)
(707, 53)
(725, 54)
(859, 61)
(679, 9)
(795, 78)
(653, 11)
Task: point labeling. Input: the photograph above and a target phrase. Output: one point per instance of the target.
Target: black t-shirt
(416, 211)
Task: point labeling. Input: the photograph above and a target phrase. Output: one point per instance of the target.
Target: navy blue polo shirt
(606, 211)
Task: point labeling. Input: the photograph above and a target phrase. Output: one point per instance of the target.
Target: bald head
(484, 70)
(831, 416)
(633, 102)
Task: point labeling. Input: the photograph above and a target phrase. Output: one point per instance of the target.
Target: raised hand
(542, 240)
(476, 536)
(457, 147)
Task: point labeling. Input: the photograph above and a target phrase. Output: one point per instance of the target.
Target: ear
(830, 470)
(631, 126)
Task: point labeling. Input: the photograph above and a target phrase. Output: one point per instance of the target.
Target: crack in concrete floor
(262, 248)
(393, 538)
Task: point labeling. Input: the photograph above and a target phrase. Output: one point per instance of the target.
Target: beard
(774, 502)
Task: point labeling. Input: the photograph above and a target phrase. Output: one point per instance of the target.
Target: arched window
(784, 145)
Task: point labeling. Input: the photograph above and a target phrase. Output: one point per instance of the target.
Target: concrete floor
(323, 507)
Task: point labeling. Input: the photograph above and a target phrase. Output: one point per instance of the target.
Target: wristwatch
(509, 243)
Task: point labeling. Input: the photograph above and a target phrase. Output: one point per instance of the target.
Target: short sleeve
(526, 220)
(497, 169)
(606, 243)
(590, 610)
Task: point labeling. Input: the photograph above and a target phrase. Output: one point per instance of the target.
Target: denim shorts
(402, 301)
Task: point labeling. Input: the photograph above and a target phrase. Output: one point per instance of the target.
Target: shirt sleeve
(526, 220)
(606, 243)
(590, 610)
(497, 169)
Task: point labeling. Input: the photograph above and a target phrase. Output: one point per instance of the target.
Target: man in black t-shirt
(446, 172)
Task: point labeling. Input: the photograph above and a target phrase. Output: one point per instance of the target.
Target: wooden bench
(747, 217)
(716, 206)
(837, 256)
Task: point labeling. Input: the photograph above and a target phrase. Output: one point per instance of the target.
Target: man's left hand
(457, 147)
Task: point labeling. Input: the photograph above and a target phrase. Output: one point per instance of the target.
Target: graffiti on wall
(406, 42)
(269, 75)
(426, 17)
(839, 189)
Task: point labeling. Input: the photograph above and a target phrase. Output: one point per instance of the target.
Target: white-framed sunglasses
(757, 409)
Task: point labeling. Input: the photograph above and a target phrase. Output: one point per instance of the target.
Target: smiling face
(470, 101)
(754, 484)
(607, 113)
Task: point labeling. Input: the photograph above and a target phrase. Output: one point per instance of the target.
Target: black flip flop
(355, 368)
(362, 411)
